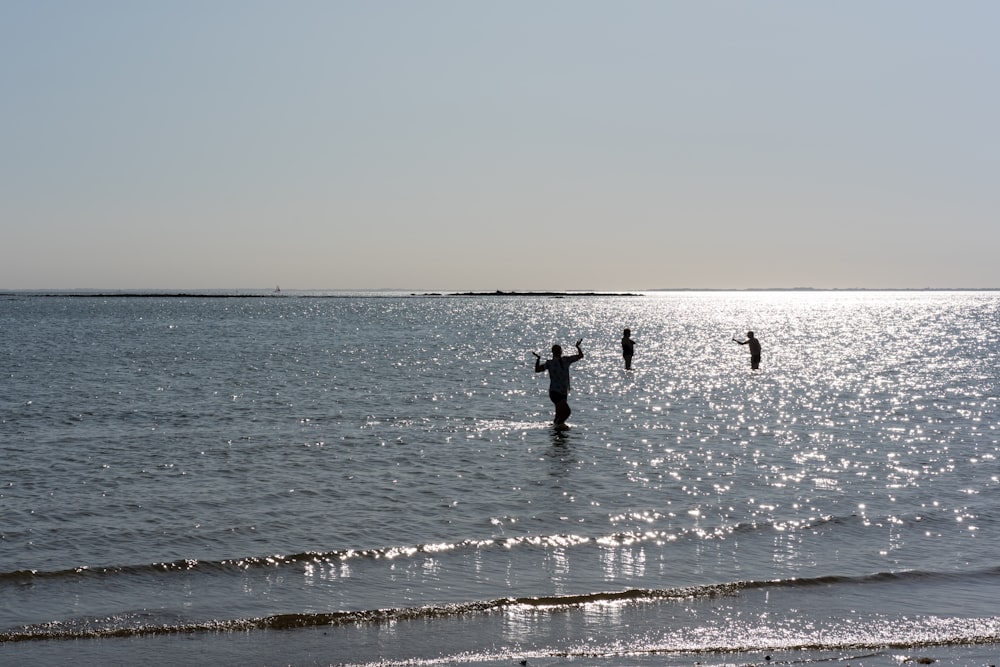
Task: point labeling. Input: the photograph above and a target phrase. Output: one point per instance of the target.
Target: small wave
(117, 628)
(112, 628)
(956, 634)
(621, 538)
(312, 557)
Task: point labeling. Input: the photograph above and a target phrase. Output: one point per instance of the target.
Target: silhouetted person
(558, 368)
(628, 348)
(754, 349)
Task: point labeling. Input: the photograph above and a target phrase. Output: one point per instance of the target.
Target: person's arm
(579, 350)
(741, 342)
(539, 366)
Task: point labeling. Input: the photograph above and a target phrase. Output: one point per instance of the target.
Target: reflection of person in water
(754, 349)
(558, 368)
(628, 348)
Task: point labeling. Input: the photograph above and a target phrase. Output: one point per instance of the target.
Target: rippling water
(317, 479)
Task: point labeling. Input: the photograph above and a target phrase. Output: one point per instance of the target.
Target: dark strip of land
(205, 295)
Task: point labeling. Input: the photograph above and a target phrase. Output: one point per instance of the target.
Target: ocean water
(374, 479)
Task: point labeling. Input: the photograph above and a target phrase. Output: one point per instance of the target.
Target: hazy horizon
(487, 292)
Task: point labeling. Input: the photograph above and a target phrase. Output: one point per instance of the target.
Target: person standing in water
(558, 368)
(754, 349)
(628, 348)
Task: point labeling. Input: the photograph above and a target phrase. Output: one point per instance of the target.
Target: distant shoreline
(392, 293)
(252, 295)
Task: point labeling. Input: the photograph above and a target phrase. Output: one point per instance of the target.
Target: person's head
(557, 351)
(628, 332)
(749, 334)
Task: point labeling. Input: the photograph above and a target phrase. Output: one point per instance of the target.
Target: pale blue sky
(564, 144)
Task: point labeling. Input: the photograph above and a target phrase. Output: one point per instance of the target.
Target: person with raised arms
(558, 368)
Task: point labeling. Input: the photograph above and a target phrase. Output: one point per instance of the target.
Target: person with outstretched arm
(754, 349)
(558, 368)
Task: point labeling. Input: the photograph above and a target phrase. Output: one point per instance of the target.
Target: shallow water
(318, 479)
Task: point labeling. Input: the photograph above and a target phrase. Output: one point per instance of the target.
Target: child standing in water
(628, 348)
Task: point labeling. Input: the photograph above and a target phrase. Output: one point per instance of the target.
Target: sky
(514, 145)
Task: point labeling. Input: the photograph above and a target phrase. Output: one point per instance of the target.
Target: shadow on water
(560, 437)
(561, 455)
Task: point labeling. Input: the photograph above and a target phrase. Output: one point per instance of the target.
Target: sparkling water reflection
(214, 460)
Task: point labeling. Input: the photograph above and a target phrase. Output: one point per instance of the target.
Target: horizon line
(260, 291)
